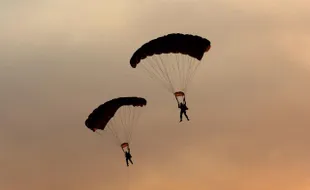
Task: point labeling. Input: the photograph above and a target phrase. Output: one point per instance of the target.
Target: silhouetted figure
(183, 109)
(128, 157)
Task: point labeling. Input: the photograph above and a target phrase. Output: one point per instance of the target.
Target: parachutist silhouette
(152, 57)
(128, 156)
(183, 108)
(101, 119)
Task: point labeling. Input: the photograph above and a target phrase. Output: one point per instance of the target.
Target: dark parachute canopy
(172, 60)
(192, 45)
(118, 116)
(100, 117)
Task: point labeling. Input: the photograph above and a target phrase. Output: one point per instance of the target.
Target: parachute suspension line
(129, 122)
(175, 75)
(155, 78)
(155, 75)
(160, 74)
(180, 72)
(160, 71)
(98, 133)
(133, 113)
(183, 72)
(177, 68)
(188, 66)
(172, 71)
(125, 116)
(101, 135)
(134, 120)
(117, 140)
(123, 120)
(168, 77)
(116, 123)
(188, 71)
(126, 120)
(180, 68)
(128, 115)
(194, 66)
(114, 134)
(164, 76)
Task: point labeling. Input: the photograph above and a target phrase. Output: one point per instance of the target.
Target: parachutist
(128, 156)
(105, 116)
(183, 108)
(156, 57)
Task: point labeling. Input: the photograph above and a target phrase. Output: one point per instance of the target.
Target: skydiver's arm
(177, 101)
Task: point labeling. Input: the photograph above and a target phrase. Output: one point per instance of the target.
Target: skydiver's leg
(186, 116)
(127, 162)
(130, 161)
(181, 113)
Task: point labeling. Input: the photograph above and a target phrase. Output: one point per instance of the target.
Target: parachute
(172, 60)
(117, 116)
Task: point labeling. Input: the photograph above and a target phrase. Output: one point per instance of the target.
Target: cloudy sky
(249, 101)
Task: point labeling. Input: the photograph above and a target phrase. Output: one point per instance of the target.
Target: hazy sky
(249, 101)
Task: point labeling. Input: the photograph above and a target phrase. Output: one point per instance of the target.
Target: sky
(249, 100)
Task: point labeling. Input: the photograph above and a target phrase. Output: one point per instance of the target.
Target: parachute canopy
(172, 60)
(100, 117)
(191, 45)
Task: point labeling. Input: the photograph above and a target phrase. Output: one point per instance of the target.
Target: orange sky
(249, 101)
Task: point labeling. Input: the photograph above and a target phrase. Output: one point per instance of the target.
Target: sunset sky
(248, 102)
